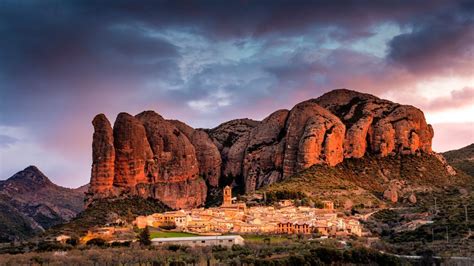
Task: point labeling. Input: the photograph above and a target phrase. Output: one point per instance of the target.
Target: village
(236, 218)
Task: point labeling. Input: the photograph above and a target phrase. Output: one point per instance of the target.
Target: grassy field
(260, 239)
(162, 234)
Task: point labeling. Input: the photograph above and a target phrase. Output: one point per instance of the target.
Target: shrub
(96, 242)
(144, 237)
(51, 246)
(73, 241)
(168, 226)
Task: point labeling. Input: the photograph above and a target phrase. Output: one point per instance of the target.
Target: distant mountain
(30, 203)
(462, 159)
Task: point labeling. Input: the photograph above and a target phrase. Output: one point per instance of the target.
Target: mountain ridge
(31, 203)
(149, 156)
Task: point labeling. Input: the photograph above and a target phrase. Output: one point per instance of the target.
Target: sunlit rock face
(378, 126)
(103, 156)
(150, 156)
(154, 159)
(313, 136)
(208, 156)
(132, 152)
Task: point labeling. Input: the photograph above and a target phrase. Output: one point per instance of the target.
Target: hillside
(103, 211)
(31, 203)
(366, 180)
(462, 159)
(407, 226)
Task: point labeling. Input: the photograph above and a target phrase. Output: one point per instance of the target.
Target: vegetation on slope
(13, 225)
(104, 211)
(448, 234)
(284, 253)
(462, 159)
(363, 181)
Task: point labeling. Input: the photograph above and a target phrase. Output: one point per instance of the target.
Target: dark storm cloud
(438, 42)
(62, 62)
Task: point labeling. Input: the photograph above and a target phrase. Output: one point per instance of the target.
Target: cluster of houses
(233, 217)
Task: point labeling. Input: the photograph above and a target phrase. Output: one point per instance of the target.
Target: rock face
(378, 126)
(231, 139)
(153, 158)
(263, 160)
(132, 152)
(313, 136)
(103, 156)
(168, 160)
(208, 156)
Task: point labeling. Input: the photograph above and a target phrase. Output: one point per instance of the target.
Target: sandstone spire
(103, 156)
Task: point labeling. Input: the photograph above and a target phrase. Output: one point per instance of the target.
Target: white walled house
(227, 241)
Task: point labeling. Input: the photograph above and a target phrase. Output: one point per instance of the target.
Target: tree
(144, 237)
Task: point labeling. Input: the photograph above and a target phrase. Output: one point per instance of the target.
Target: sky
(206, 62)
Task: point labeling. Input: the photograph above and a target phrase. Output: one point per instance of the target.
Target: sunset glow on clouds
(208, 62)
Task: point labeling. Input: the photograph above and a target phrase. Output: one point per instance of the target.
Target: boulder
(412, 198)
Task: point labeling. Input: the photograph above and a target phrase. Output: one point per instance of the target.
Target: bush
(168, 226)
(120, 244)
(144, 237)
(51, 246)
(73, 241)
(174, 247)
(96, 242)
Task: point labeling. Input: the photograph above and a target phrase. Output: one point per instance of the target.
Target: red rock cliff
(168, 160)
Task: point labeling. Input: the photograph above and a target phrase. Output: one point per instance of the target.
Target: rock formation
(168, 160)
(313, 136)
(132, 152)
(263, 161)
(208, 156)
(103, 156)
(378, 126)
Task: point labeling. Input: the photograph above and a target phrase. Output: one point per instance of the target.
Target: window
(230, 240)
(203, 241)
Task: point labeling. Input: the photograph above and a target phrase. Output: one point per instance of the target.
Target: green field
(162, 234)
(264, 238)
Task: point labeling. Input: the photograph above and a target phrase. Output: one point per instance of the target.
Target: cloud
(438, 43)
(456, 99)
(7, 141)
(450, 136)
(201, 62)
(215, 100)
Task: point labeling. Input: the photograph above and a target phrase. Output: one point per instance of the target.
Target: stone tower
(227, 196)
